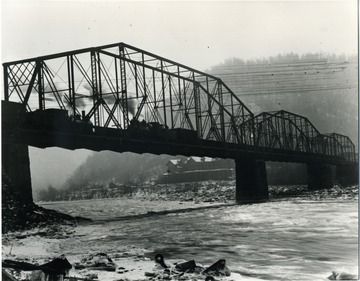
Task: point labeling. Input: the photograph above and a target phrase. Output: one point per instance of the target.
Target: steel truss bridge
(122, 98)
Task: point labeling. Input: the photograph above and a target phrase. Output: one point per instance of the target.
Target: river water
(293, 239)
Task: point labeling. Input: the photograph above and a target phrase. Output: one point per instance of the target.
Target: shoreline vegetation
(203, 191)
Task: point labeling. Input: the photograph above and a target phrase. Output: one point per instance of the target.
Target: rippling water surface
(278, 240)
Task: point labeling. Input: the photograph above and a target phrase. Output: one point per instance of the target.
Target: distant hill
(323, 88)
(124, 168)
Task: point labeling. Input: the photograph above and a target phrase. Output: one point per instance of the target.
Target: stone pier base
(347, 174)
(15, 156)
(251, 181)
(16, 167)
(320, 176)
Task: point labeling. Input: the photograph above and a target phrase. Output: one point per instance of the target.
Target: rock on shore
(20, 213)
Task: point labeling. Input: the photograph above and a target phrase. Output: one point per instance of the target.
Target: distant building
(195, 169)
(173, 166)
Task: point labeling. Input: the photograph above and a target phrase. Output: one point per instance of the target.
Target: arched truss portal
(285, 131)
(339, 145)
(289, 131)
(116, 83)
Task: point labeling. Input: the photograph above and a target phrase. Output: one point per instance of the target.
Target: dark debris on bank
(20, 214)
(59, 269)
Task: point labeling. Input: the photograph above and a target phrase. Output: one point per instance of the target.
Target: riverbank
(20, 214)
(224, 191)
(16, 216)
(45, 242)
(127, 262)
(256, 240)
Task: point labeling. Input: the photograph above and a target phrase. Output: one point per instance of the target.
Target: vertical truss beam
(124, 97)
(95, 90)
(41, 87)
(6, 82)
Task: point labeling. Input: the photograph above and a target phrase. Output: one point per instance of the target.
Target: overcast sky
(198, 34)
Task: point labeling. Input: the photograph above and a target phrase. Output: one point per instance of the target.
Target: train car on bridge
(152, 131)
(56, 120)
(159, 132)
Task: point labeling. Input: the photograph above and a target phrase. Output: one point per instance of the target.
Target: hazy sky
(198, 34)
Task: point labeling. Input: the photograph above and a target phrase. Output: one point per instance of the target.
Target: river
(295, 239)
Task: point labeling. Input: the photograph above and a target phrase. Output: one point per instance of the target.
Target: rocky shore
(19, 214)
(33, 234)
(224, 191)
(127, 263)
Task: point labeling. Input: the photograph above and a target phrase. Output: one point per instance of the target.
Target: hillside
(106, 168)
(119, 167)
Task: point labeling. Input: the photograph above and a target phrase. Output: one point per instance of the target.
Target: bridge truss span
(118, 83)
(126, 89)
(292, 132)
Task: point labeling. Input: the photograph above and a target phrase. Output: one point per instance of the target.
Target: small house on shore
(194, 169)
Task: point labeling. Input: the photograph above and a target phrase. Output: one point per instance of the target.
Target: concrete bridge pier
(320, 176)
(16, 169)
(251, 181)
(347, 174)
(15, 161)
